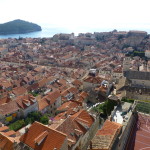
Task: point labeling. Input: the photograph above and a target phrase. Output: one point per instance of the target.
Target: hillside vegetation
(18, 27)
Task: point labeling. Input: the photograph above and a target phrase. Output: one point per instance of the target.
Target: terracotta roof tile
(84, 94)
(77, 83)
(69, 105)
(4, 128)
(105, 137)
(53, 96)
(84, 115)
(50, 138)
(4, 100)
(42, 136)
(76, 125)
(43, 82)
(23, 101)
(5, 143)
(10, 133)
(6, 84)
(72, 90)
(64, 93)
(9, 108)
(19, 91)
(95, 80)
(43, 103)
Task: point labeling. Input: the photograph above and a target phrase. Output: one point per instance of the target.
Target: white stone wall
(65, 145)
(147, 54)
(31, 108)
(137, 96)
(89, 86)
(126, 63)
(58, 102)
(117, 75)
(127, 129)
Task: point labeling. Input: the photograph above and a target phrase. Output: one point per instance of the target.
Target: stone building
(138, 78)
(127, 63)
(147, 53)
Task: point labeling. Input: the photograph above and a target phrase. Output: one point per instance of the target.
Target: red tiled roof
(95, 80)
(4, 100)
(62, 82)
(23, 100)
(76, 125)
(43, 103)
(5, 143)
(83, 116)
(53, 96)
(19, 91)
(77, 82)
(118, 70)
(42, 136)
(69, 105)
(84, 94)
(48, 99)
(72, 90)
(109, 128)
(50, 138)
(4, 128)
(6, 84)
(68, 127)
(10, 133)
(43, 82)
(9, 108)
(105, 137)
(33, 86)
(64, 93)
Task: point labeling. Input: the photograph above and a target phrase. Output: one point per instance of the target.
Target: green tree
(17, 125)
(106, 107)
(35, 115)
(44, 119)
(29, 120)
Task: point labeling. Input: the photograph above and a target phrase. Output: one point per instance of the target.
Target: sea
(51, 31)
(46, 32)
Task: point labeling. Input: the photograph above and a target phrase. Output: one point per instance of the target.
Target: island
(18, 27)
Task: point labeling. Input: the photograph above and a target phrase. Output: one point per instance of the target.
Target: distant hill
(17, 27)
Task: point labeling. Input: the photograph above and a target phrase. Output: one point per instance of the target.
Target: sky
(74, 14)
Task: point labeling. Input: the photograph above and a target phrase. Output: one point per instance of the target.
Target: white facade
(147, 53)
(117, 75)
(31, 108)
(127, 63)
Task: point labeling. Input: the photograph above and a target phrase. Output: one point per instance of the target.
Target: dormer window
(33, 100)
(26, 102)
(41, 137)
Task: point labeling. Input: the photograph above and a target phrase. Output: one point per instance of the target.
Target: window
(143, 82)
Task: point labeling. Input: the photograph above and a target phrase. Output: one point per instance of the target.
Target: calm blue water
(46, 32)
(50, 31)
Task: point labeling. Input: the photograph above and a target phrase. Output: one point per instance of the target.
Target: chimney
(26, 130)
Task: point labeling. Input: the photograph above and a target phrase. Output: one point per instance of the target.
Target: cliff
(18, 27)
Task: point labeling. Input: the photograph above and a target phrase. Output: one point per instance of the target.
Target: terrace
(121, 113)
